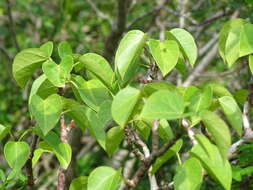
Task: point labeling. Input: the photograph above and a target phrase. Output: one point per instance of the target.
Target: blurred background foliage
(97, 26)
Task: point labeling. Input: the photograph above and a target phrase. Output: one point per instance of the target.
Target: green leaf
(164, 130)
(104, 178)
(16, 154)
(150, 88)
(99, 67)
(229, 41)
(96, 127)
(123, 105)
(92, 92)
(47, 48)
(167, 156)
(36, 156)
(46, 112)
(77, 112)
(25, 64)
(129, 49)
(219, 90)
(251, 63)
(246, 40)
(79, 183)
(201, 101)
(58, 74)
(186, 42)
(64, 49)
(219, 131)
(165, 53)
(241, 96)
(189, 175)
(113, 139)
(144, 128)
(232, 112)
(4, 131)
(212, 161)
(104, 113)
(62, 150)
(164, 104)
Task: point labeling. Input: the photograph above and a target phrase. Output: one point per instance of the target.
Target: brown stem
(29, 169)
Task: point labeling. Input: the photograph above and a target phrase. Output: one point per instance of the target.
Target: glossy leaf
(64, 49)
(165, 53)
(47, 48)
(219, 131)
(164, 104)
(92, 92)
(99, 67)
(189, 175)
(186, 43)
(113, 139)
(129, 50)
(79, 183)
(167, 156)
(16, 154)
(104, 178)
(123, 105)
(246, 40)
(58, 74)
(46, 112)
(211, 159)
(26, 63)
(232, 112)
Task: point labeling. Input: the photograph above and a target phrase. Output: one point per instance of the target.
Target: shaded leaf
(113, 139)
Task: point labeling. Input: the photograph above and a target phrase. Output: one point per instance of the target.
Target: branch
(29, 169)
(12, 25)
(186, 125)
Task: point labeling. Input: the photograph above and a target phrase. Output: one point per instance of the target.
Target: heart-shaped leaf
(16, 154)
(104, 178)
(189, 175)
(186, 42)
(58, 74)
(46, 112)
(165, 53)
(64, 49)
(129, 49)
(47, 48)
(25, 64)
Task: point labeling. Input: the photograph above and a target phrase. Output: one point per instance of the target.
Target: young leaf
(36, 156)
(219, 131)
(25, 64)
(164, 130)
(165, 53)
(92, 92)
(58, 74)
(46, 112)
(164, 104)
(104, 178)
(212, 161)
(189, 175)
(64, 49)
(4, 131)
(167, 156)
(64, 154)
(99, 67)
(246, 40)
(47, 48)
(129, 49)
(16, 154)
(232, 112)
(113, 139)
(79, 183)
(186, 43)
(123, 105)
